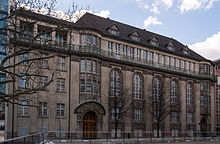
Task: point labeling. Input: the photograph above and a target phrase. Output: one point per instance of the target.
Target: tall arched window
(173, 92)
(189, 93)
(137, 86)
(115, 83)
(156, 89)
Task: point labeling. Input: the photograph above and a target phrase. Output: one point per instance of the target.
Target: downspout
(69, 88)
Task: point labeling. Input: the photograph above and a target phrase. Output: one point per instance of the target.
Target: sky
(195, 23)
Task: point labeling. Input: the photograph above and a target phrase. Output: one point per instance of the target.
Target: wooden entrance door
(89, 125)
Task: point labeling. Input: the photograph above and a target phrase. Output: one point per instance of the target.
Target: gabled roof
(100, 24)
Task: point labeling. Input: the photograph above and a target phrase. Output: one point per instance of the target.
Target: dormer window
(185, 50)
(154, 42)
(134, 36)
(113, 30)
(171, 46)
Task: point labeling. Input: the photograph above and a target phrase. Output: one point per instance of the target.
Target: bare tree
(164, 100)
(24, 48)
(120, 106)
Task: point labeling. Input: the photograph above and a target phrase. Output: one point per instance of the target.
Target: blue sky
(195, 23)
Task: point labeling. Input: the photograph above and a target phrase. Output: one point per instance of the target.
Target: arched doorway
(203, 127)
(89, 125)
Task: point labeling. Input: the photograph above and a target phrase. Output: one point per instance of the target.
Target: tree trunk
(158, 129)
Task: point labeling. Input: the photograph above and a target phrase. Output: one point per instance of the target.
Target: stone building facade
(100, 63)
(217, 95)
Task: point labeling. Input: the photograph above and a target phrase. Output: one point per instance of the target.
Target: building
(217, 95)
(3, 13)
(97, 60)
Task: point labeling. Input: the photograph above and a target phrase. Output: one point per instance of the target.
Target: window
(204, 68)
(189, 94)
(145, 55)
(26, 30)
(183, 65)
(135, 36)
(154, 42)
(137, 114)
(92, 41)
(173, 62)
(61, 63)
(177, 63)
(218, 108)
(42, 109)
(115, 114)
(138, 133)
(118, 133)
(117, 48)
(151, 56)
(204, 93)
(132, 52)
(43, 81)
(44, 61)
(125, 51)
(137, 86)
(110, 47)
(173, 92)
(174, 117)
(60, 110)
(61, 84)
(45, 34)
(218, 82)
(22, 131)
(156, 89)
(187, 65)
(189, 117)
(90, 76)
(24, 58)
(162, 59)
(61, 38)
(218, 95)
(155, 133)
(23, 81)
(174, 133)
(139, 54)
(23, 108)
(193, 67)
(115, 83)
(168, 61)
(157, 58)
(113, 30)
(218, 67)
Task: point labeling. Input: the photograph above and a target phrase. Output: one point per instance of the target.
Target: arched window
(156, 89)
(189, 93)
(137, 86)
(115, 83)
(173, 92)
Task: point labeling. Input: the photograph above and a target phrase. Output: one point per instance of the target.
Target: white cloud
(78, 14)
(143, 4)
(151, 21)
(210, 48)
(187, 5)
(155, 6)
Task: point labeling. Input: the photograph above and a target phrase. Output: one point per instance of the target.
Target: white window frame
(138, 114)
(61, 63)
(61, 84)
(137, 86)
(60, 107)
(43, 109)
(189, 94)
(23, 109)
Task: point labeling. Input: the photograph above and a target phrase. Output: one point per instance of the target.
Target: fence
(102, 137)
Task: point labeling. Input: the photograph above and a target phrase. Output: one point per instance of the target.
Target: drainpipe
(69, 89)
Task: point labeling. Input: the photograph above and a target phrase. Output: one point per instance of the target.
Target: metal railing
(102, 137)
(115, 56)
